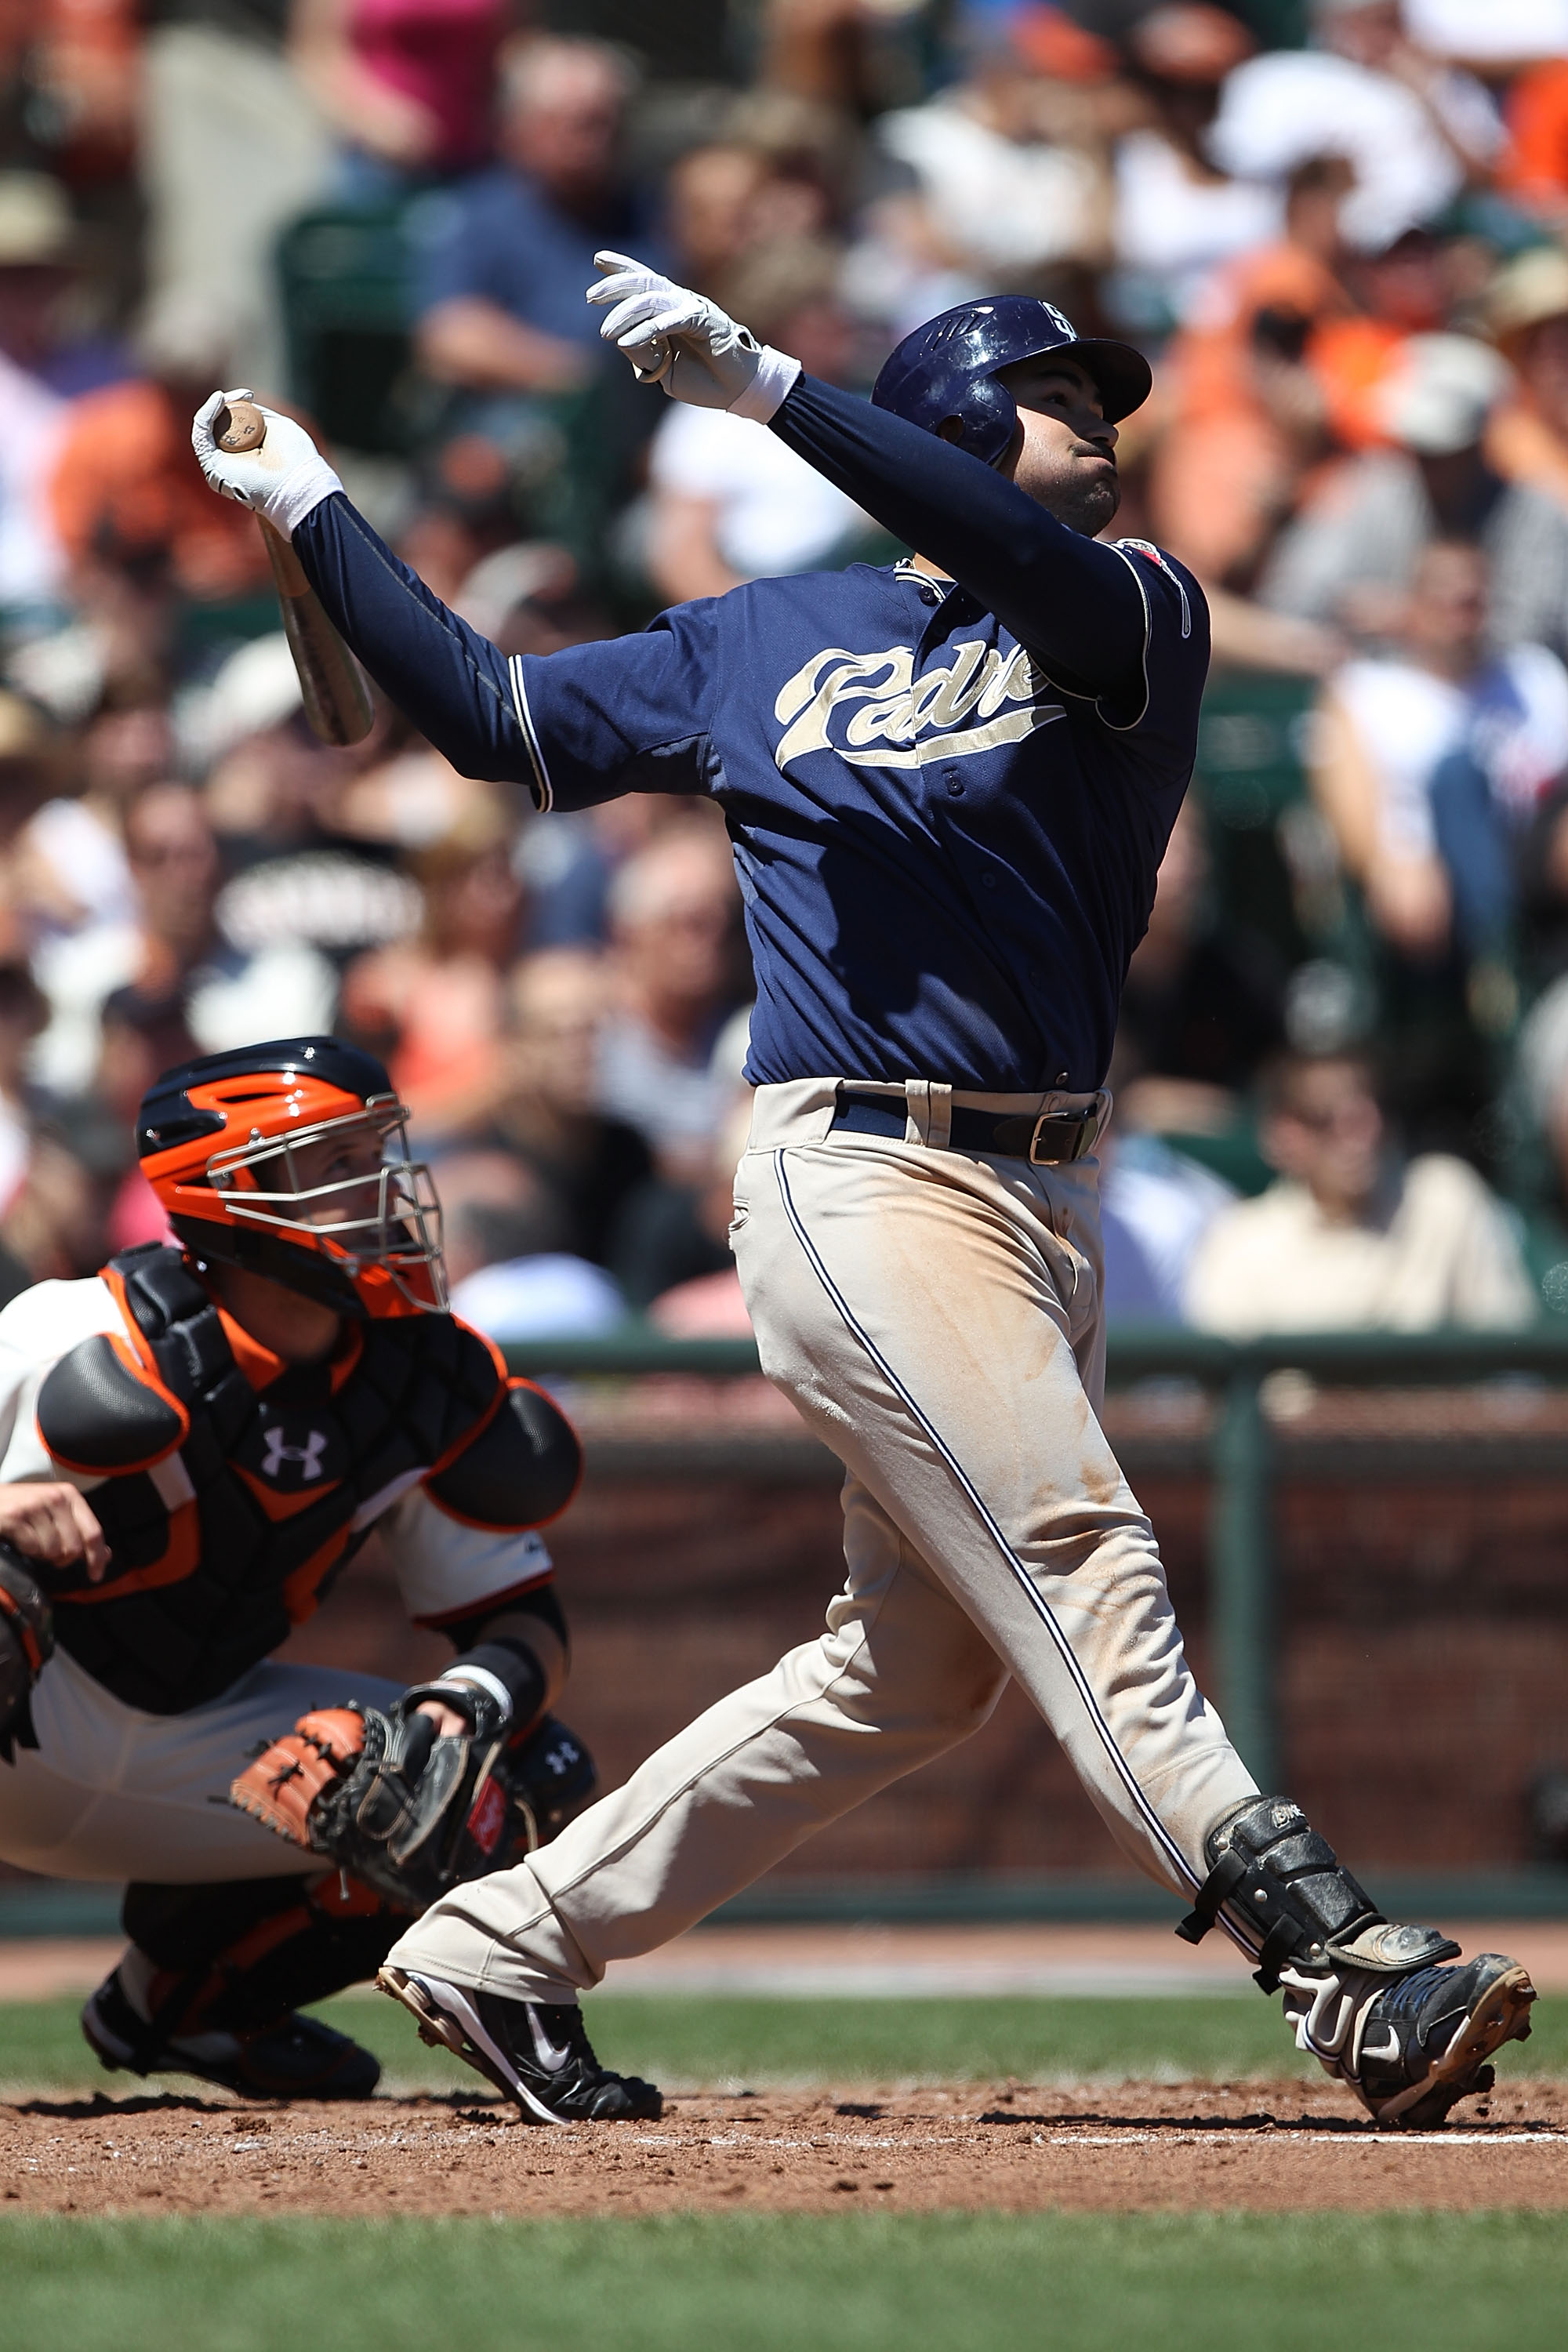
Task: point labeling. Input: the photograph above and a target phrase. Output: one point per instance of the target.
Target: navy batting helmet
(948, 368)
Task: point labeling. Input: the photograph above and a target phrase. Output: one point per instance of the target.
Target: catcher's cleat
(537, 2053)
(296, 2057)
(1425, 2041)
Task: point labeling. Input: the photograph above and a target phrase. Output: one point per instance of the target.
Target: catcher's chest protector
(229, 1512)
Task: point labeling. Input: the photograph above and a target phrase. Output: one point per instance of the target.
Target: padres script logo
(874, 712)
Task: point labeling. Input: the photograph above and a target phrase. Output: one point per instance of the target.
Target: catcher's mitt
(27, 1644)
(406, 1810)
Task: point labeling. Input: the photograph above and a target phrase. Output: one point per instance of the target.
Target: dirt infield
(1011, 2148)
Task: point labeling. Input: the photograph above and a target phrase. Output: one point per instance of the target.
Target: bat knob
(239, 429)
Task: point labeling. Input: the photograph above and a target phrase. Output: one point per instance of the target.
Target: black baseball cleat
(537, 2053)
(295, 2057)
(1427, 2040)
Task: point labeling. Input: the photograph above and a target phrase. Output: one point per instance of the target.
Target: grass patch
(733, 2044)
(880, 2283)
(686, 2041)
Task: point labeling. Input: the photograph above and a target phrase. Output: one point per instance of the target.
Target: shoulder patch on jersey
(1161, 563)
(95, 1413)
(521, 1469)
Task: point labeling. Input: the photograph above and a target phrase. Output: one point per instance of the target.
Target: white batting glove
(283, 481)
(685, 342)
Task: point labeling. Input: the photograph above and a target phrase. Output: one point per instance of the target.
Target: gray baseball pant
(112, 1793)
(937, 1320)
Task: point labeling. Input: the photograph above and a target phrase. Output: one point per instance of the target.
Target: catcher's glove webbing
(27, 1644)
(408, 1810)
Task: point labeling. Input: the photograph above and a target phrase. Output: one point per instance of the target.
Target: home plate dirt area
(1280, 2146)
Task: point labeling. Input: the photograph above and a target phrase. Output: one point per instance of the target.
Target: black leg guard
(239, 1956)
(550, 1775)
(1284, 1887)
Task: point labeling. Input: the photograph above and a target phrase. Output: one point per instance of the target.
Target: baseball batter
(193, 1445)
(948, 784)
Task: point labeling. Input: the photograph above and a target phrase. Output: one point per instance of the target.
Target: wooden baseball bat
(336, 701)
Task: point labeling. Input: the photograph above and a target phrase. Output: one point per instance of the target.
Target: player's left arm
(1080, 605)
(1072, 600)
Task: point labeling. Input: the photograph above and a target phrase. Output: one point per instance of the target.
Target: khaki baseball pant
(936, 1317)
(112, 1793)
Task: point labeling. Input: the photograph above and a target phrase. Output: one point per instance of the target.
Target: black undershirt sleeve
(1070, 600)
(541, 1601)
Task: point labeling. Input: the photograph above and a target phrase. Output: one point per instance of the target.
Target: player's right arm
(624, 714)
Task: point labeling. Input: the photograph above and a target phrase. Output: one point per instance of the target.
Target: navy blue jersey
(947, 823)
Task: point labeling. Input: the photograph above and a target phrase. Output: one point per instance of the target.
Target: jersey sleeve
(1069, 599)
(583, 725)
(628, 715)
(447, 1570)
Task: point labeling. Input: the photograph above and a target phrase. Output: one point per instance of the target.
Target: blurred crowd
(1339, 227)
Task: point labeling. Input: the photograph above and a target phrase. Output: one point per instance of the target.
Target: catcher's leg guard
(215, 1973)
(1368, 1998)
(244, 1954)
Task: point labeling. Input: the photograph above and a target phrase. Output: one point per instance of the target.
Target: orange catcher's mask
(291, 1159)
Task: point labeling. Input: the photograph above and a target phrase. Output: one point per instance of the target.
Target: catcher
(191, 1446)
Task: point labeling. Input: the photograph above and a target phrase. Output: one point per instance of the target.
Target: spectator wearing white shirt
(1428, 763)
(36, 242)
(1416, 131)
(72, 876)
(172, 952)
(1011, 166)
(1353, 1237)
(1494, 37)
(729, 501)
(1178, 216)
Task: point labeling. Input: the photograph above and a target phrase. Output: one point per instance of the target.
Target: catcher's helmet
(948, 369)
(228, 1143)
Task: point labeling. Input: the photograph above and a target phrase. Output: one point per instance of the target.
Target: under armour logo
(309, 1456)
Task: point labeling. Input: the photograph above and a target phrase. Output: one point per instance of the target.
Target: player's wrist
(301, 491)
(775, 379)
(458, 1684)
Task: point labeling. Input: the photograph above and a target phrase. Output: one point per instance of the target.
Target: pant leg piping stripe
(1020, 1573)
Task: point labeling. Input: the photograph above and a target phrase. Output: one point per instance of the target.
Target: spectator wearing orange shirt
(126, 492)
(1534, 170)
(1248, 414)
